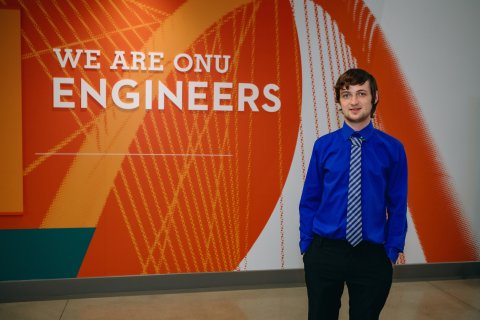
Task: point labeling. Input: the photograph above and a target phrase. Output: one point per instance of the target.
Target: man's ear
(376, 98)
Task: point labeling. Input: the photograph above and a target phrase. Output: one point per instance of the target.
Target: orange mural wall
(184, 178)
(156, 137)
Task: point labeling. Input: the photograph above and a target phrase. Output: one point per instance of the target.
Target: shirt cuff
(392, 254)
(305, 244)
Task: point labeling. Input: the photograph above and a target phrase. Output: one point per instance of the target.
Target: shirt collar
(366, 132)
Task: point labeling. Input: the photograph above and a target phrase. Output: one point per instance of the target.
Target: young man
(353, 208)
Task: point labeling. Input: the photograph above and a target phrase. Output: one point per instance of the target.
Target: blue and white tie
(354, 203)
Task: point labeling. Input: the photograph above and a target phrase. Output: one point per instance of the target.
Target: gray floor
(452, 299)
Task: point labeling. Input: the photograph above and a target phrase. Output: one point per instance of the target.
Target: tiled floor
(453, 299)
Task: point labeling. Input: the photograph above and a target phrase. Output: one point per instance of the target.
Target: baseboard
(30, 290)
(437, 271)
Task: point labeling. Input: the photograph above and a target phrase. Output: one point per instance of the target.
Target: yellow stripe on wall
(11, 175)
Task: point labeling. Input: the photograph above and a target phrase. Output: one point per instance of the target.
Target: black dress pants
(366, 270)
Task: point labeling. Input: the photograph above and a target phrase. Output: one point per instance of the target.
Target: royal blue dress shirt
(323, 205)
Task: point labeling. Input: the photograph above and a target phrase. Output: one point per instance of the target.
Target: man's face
(356, 103)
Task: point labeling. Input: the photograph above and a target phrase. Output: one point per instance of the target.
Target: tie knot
(356, 140)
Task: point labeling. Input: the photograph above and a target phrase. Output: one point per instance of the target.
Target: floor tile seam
(64, 308)
(432, 283)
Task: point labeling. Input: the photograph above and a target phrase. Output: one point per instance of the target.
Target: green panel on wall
(42, 253)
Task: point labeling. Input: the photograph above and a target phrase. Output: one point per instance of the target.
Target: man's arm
(310, 200)
(397, 207)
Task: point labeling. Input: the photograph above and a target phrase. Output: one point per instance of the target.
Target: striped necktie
(354, 203)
